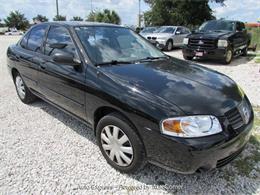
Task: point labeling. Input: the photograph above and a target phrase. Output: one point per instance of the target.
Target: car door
(239, 38)
(184, 33)
(244, 35)
(29, 47)
(180, 34)
(62, 84)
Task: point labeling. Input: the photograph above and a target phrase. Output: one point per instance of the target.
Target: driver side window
(59, 34)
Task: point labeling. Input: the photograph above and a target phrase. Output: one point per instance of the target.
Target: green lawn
(255, 36)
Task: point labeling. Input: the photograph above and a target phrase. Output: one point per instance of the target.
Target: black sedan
(143, 105)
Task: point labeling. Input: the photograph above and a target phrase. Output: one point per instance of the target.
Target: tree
(40, 18)
(106, 16)
(17, 20)
(59, 18)
(179, 12)
(77, 18)
(1, 24)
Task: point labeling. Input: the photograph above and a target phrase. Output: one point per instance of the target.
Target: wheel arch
(105, 110)
(14, 72)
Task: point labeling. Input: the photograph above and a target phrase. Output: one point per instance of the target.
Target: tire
(229, 56)
(22, 90)
(169, 45)
(187, 57)
(244, 51)
(113, 123)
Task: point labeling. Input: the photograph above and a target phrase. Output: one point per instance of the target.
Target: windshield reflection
(108, 44)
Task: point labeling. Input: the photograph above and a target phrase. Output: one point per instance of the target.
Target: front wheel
(22, 91)
(169, 45)
(187, 57)
(229, 56)
(120, 144)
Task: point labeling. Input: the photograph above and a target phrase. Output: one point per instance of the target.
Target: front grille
(202, 43)
(235, 119)
(224, 161)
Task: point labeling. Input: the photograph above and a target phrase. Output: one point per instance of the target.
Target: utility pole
(139, 15)
(91, 6)
(57, 7)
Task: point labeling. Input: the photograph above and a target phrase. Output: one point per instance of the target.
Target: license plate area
(199, 53)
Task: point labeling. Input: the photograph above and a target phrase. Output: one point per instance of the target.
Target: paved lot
(43, 150)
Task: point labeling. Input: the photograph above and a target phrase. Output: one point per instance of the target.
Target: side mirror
(177, 33)
(65, 58)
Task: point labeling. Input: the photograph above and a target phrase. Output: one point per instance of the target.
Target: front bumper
(216, 53)
(196, 154)
(159, 43)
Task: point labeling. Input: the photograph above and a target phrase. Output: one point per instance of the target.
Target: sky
(244, 10)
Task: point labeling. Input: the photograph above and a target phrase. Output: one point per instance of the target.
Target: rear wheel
(22, 91)
(119, 144)
(228, 56)
(244, 51)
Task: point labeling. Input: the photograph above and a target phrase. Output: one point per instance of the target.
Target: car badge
(201, 42)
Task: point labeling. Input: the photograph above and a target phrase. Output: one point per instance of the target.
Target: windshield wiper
(219, 30)
(114, 62)
(149, 58)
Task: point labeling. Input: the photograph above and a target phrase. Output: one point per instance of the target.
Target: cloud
(244, 10)
(127, 9)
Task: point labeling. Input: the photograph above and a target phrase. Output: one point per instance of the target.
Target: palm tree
(16, 20)
(77, 18)
(106, 16)
(59, 18)
(40, 18)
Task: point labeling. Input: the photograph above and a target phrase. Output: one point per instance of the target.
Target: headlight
(222, 43)
(191, 126)
(186, 41)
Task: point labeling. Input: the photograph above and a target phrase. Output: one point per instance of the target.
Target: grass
(247, 164)
(257, 60)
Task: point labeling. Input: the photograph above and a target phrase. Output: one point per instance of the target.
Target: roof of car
(79, 23)
(227, 20)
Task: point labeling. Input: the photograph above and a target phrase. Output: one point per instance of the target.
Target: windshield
(165, 29)
(218, 25)
(148, 30)
(107, 44)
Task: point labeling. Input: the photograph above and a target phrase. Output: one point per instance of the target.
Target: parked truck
(217, 39)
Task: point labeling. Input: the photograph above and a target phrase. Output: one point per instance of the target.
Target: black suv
(217, 39)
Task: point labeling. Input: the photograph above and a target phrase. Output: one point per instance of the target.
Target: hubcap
(229, 55)
(117, 145)
(20, 87)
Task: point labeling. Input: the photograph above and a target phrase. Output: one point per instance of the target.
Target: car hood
(192, 88)
(208, 35)
(159, 35)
